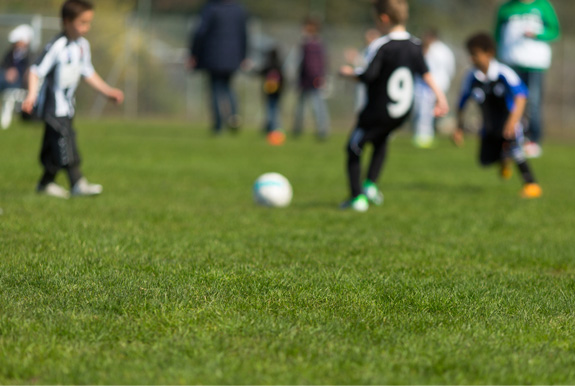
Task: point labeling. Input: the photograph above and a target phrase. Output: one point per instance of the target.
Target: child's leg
(354, 150)
(359, 137)
(378, 157)
(272, 113)
(321, 113)
(299, 112)
(516, 153)
(491, 150)
(62, 151)
(49, 155)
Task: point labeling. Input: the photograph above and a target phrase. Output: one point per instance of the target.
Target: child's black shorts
(59, 148)
(493, 149)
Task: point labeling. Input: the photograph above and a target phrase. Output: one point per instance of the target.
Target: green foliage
(173, 275)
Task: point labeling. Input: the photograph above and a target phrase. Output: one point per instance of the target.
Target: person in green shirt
(524, 31)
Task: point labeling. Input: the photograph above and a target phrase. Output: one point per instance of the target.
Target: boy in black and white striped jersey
(65, 60)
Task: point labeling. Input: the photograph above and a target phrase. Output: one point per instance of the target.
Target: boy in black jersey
(392, 62)
(502, 97)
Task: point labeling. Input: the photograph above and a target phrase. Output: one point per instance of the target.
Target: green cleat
(359, 204)
(372, 193)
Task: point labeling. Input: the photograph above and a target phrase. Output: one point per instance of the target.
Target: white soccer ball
(272, 189)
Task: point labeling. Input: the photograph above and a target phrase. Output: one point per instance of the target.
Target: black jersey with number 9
(393, 62)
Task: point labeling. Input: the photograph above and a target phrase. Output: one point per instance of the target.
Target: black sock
(526, 172)
(74, 174)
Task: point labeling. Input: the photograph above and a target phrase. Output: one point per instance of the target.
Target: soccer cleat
(359, 204)
(506, 172)
(372, 193)
(531, 191)
(53, 190)
(532, 150)
(276, 137)
(84, 188)
(423, 142)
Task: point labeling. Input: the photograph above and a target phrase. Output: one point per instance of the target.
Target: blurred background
(141, 46)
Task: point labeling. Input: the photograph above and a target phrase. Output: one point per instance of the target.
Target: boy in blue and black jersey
(502, 97)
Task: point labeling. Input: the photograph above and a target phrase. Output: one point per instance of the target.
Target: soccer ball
(272, 189)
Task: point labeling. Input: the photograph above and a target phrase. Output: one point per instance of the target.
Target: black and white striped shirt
(60, 67)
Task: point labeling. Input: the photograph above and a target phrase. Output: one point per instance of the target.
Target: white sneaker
(84, 188)
(372, 193)
(54, 190)
(532, 150)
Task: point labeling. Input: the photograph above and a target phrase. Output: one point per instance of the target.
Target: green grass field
(173, 275)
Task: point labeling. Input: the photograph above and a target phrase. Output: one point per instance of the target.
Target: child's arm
(98, 84)
(348, 71)
(457, 137)
(441, 105)
(30, 101)
(466, 88)
(520, 101)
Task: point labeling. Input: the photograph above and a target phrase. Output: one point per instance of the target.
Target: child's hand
(11, 75)
(28, 104)
(509, 130)
(441, 107)
(350, 55)
(457, 137)
(116, 95)
(347, 71)
(247, 65)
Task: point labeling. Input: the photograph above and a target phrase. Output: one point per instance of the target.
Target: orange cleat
(276, 138)
(506, 172)
(531, 191)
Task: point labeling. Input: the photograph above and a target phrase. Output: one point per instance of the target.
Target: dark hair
(482, 41)
(273, 58)
(313, 22)
(71, 9)
(397, 10)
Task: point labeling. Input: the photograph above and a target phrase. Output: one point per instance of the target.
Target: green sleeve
(551, 23)
(498, 23)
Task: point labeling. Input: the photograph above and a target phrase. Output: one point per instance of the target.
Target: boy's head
(392, 12)
(311, 25)
(481, 48)
(77, 17)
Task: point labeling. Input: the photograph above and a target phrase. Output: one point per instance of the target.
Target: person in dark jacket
(219, 47)
(312, 79)
(16, 61)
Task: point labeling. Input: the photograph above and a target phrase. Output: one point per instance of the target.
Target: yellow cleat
(531, 191)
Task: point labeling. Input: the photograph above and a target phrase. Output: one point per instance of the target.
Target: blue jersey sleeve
(515, 86)
(466, 90)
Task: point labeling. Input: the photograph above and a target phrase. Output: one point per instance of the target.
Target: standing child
(312, 79)
(502, 97)
(441, 63)
(393, 61)
(273, 86)
(64, 61)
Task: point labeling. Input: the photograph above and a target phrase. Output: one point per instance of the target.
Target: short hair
(482, 41)
(71, 9)
(397, 10)
(312, 21)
